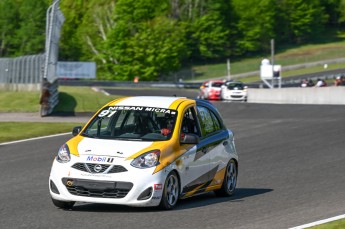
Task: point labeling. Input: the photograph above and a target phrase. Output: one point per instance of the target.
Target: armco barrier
(314, 95)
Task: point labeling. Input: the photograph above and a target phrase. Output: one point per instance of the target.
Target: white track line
(31, 139)
(320, 222)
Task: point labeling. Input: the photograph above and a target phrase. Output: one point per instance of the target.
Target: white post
(228, 67)
(272, 61)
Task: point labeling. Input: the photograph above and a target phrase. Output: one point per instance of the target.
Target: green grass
(10, 131)
(299, 55)
(72, 99)
(81, 99)
(19, 101)
(296, 72)
(338, 224)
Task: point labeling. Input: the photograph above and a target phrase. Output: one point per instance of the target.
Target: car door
(194, 177)
(214, 144)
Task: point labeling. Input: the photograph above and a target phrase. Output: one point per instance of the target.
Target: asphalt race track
(291, 172)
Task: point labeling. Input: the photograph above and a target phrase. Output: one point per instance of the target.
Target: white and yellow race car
(146, 151)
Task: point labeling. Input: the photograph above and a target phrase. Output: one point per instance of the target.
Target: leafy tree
(8, 24)
(341, 12)
(210, 36)
(152, 38)
(301, 20)
(30, 35)
(141, 42)
(158, 48)
(255, 24)
(209, 30)
(71, 42)
(332, 11)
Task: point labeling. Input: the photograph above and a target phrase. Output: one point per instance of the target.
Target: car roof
(230, 81)
(169, 102)
(215, 81)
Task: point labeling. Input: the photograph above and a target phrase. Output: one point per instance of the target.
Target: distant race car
(234, 91)
(146, 151)
(211, 90)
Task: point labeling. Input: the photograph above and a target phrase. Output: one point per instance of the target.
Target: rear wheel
(230, 180)
(170, 192)
(63, 204)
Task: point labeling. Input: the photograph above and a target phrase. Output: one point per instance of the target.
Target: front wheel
(230, 180)
(63, 205)
(170, 192)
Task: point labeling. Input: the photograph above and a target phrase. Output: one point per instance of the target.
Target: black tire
(63, 205)
(171, 192)
(229, 181)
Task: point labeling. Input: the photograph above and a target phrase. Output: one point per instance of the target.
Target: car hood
(113, 148)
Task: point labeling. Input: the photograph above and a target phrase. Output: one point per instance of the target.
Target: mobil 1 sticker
(98, 159)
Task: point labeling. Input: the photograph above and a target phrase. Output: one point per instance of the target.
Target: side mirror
(189, 139)
(76, 130)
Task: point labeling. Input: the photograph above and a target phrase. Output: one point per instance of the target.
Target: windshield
(235, 86)
(217, 84)
(132, 123)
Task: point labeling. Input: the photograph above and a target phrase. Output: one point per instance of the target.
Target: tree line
(153, 38)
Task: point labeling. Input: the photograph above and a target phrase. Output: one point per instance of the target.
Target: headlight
(63, 154)
(147, 160)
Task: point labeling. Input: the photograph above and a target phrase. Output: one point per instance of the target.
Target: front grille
(97, 189)
(117, 169)
(90, 168)
(236, 96)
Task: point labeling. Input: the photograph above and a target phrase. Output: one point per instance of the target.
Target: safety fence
(25, 73)
(21, 73)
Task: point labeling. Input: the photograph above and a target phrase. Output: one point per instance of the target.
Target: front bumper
(235, 96)
(135, 187)
(214, 96)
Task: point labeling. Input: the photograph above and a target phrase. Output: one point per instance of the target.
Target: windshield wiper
(128, 139)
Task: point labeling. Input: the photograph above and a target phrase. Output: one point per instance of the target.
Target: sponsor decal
(100, 159)
(94, 175)
(110, 160)
(110, 111)
(158, 186)
(156, 198)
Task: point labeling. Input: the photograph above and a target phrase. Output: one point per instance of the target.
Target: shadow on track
(189, 203)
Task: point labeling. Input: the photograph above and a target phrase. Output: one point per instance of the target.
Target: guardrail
(130, 84)
(49, 97)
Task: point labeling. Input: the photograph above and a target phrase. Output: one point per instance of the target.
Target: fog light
(54, 188)
(145, 194)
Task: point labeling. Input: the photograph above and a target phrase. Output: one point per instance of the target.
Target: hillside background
(154, 39)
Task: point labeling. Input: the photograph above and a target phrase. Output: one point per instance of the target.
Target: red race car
(211, 90)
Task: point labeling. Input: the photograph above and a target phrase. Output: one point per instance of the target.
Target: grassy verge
(295, 72)
(11, 131)
(299, 55)
(81, 99)
(332, 225)
(19, 101)
(72, 99)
